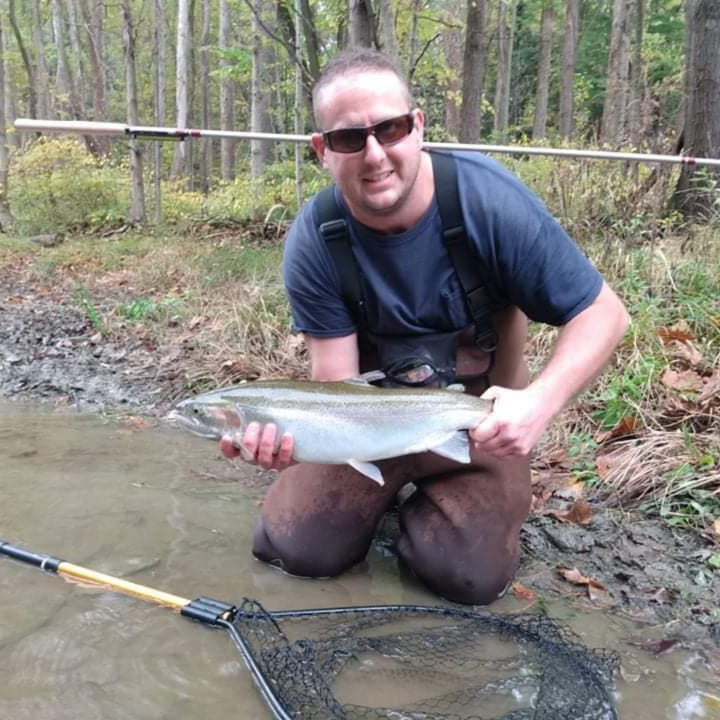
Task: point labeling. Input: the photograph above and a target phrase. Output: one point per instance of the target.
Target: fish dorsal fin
(367, 378)
(367, 469)
(456, 387)
(456, 447)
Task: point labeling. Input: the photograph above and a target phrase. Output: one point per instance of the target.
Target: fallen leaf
(716, 526)
(680, 332)
(711, 387)
(685, 381)
(522, 592)
(654, 647)
(574, 491)
(579, 514)
(574, 576)
(195, 321)
(627, 425)
(688, 353)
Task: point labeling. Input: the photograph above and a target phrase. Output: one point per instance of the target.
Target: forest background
(179, 243)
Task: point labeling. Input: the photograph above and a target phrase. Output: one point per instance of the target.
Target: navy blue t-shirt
(409, 283)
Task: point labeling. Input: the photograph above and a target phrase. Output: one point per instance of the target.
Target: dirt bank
(52, 350)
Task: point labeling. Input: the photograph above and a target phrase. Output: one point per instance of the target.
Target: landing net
(426, 663)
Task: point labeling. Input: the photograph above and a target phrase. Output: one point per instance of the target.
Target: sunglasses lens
(349, 140)
(388, 132)
(393, 130)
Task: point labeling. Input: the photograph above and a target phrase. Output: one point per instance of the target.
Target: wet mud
(51, 350)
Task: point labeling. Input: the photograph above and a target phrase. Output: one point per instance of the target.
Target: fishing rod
(167, 133)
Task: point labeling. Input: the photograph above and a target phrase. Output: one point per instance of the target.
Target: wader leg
(461, 529)
(319, 520)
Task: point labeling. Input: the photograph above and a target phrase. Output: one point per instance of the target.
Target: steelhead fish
(349, 422)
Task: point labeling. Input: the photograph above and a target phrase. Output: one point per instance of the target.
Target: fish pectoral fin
(456, 447)
(367, 378)
(367, 469)
(456, 387)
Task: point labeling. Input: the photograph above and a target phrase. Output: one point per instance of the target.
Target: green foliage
(58, 186)
(148, 309)
(271, 198)
(85, 302)
(581, 452)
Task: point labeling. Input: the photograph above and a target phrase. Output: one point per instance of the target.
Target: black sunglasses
(387, 132)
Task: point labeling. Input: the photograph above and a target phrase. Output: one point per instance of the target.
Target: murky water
(162, 508)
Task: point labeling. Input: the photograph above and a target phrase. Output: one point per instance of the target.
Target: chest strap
(334, 230)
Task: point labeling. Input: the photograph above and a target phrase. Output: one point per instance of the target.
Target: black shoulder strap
(335, 232)
(463, 254)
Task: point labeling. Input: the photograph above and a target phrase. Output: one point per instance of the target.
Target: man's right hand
(257, 447)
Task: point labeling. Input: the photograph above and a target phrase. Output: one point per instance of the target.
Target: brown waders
(460, 531)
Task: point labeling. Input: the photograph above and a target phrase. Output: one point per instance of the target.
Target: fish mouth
(196, 427)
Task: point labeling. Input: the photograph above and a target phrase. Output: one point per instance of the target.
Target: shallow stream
(159, 507)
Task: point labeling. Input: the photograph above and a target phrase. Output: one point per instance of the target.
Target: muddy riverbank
(52, 349)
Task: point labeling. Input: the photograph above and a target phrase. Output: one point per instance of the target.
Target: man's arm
(583, 348)
(330, 359)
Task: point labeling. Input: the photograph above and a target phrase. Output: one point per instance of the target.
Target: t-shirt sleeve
(311, 282)
(530, 259)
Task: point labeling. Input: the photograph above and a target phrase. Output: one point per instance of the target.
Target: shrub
(57, 185)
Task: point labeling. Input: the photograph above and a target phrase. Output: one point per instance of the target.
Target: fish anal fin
(367, 469)
(456, 447)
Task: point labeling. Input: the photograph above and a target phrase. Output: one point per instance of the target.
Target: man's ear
(419, 120)
(318, 145)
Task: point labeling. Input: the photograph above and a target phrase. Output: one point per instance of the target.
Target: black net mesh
(413, 663)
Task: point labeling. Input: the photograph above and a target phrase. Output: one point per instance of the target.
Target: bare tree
(93, 24)
(567, 85)
(67, 101)
(159, 35)
(76, 57)
(452, 45)
(227, 93)
(41, 74)
(299, 105)
(505, 36)
(9, 99)
(205, 143)
(182, 59)
(702, 110)
(260, 150)
(5, 216)
(310, 37)
(136, 214)
(412, 43)
(614, 120)
(543, 76)
(388, 41)
(473, 72)
(635, 118)
(361, 22)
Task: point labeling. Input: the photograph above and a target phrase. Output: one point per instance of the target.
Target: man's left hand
(514, 426)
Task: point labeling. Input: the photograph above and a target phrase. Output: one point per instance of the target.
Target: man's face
(379, 180)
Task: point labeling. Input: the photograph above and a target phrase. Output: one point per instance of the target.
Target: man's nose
(374, 150)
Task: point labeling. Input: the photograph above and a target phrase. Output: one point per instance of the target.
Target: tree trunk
(76, 67)
(41, 75)
(361, 23)
(93, 23)
(159, 90)
(67, 101)
(5, 217)
(614, 120)
(635, 121)
(412, 43)
(452, 45)
(505, 36)
(299, 104)
(567, 85)
(9, 99)
(227, 93)
(473, 72)
(388, 41)
(136, 213)
(205, 143)
(543, 76)
(702, 114)
(260, 150)
(310, 37)
(27, 63)
(182, 58)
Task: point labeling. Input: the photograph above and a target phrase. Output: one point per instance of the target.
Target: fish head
(207, 419)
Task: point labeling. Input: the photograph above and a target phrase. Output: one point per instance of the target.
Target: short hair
(357, 59)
